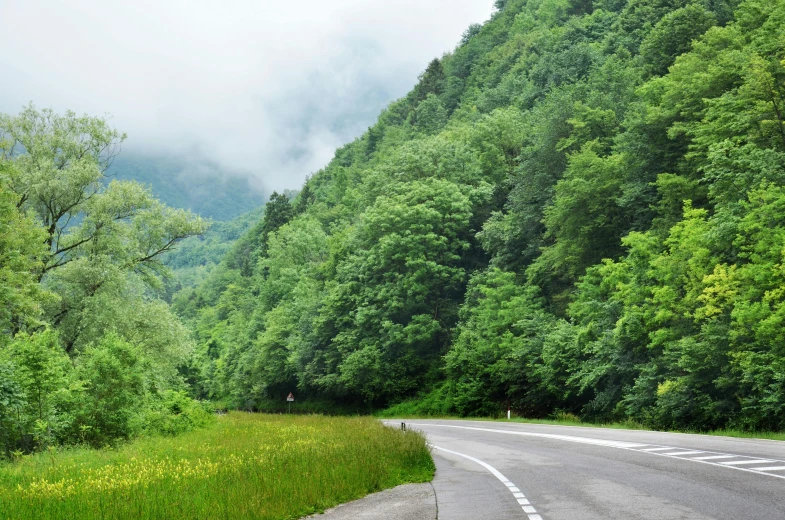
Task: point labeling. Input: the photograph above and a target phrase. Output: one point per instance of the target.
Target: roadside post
(508, 413)
(290, 400)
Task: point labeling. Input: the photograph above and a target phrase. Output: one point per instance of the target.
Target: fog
(268, 87)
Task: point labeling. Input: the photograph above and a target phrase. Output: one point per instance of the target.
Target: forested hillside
(580, 209)
(197, 184)
(195, 257)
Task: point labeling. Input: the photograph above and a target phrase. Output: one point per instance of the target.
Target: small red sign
(290, 397)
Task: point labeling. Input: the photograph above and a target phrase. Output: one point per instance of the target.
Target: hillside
(579, 209)
(200, 186)
(195, 257)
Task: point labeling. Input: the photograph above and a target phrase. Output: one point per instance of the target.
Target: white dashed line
(520, 497)
(712, 457)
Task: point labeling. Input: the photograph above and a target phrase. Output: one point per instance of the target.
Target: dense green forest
(580, 209)
(89, 353)
(197, 185)
(196, 256)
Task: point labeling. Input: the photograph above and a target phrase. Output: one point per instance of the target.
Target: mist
(271, 88)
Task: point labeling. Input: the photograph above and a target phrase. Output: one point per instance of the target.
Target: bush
(174, 412)
(112, 374)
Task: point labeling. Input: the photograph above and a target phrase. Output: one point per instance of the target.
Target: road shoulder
(406, 502)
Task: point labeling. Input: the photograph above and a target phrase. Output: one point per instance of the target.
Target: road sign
(290, 397)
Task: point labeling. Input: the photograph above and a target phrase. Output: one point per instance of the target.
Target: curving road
(499, 471)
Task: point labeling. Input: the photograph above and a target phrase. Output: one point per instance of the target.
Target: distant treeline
(580, 209)
(194, 184)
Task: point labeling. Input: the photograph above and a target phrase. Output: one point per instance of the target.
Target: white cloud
(272, 87)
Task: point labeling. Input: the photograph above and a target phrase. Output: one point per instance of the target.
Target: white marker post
(508, 413)
(290, 400)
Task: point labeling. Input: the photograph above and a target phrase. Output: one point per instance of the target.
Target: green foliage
(22, 251)
(39, 369)
(174, 412)
(578, 211)
(672, 36)
(197, 185)
(114, 387)
(400, 282)
(497, 351)
(85, 346)
(242, 462)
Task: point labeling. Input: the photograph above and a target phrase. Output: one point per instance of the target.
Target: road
(500, 470)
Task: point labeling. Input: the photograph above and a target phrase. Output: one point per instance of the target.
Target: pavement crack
(435, 500)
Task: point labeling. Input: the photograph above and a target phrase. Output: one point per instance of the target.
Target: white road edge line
(614, 444)
(519, 497)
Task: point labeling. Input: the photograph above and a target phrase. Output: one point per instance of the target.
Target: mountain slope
(579, 209)
(200, 186)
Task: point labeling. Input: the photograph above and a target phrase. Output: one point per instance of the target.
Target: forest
(580, 209)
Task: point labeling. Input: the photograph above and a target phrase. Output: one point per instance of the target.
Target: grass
(243, 466)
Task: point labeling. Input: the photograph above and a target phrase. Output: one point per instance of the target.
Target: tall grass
(243, 466)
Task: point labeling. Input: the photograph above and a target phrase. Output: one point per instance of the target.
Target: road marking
(683, 453)
(740, 462)
(771, 468)
(519, 497)
(650, 449)
(569, 438)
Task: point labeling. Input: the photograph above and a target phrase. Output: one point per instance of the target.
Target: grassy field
(244, 466)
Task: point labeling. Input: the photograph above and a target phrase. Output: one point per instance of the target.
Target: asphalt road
(499, 471)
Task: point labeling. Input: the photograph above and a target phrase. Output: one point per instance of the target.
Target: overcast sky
(268, 86)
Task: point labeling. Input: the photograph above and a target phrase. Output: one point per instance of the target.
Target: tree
(673, 35)
(430, 116)
(401, 283)
(22, 251)
(114, 391)
(40, 369)
(95, 233)
(431, 81)
(60, 175)
(277, 212)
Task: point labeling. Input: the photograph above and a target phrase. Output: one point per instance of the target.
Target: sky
(272, 88)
